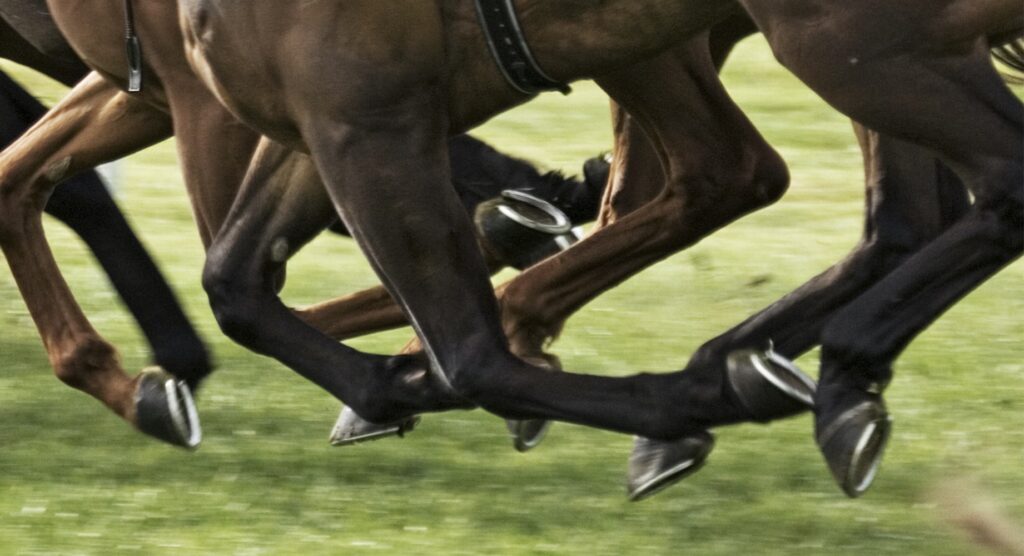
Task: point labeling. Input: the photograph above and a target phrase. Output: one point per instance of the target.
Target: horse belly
(95, 29)
(32, 20)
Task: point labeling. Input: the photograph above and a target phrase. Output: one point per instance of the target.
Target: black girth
(508, 46)
(497, 17)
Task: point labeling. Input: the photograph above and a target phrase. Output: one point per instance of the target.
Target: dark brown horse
(197, 114)
(911, 199)
(403, 96)
(598, 386)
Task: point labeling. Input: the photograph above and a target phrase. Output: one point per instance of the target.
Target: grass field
(75, 480)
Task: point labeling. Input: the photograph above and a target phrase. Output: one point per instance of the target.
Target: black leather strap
(508, 46)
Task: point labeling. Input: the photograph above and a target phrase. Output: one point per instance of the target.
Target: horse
(402, 96)
(139, 124)
(30, 37)
(912, 198)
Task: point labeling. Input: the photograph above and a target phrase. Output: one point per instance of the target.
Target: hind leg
(276, 212)
(696, 165)
(84, 204)
(708, 167)
(980, 141)
(911, 198)
(94, 124)
(425, 254)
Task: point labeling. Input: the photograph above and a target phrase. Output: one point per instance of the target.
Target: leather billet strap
(133, 49)
(508, 46)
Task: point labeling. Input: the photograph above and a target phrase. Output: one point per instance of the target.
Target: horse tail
(1011, 55)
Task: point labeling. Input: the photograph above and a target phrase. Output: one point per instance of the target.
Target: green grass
(75, 480)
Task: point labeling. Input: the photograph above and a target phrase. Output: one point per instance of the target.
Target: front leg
(274, 215)
(980, 141)
(387, 175)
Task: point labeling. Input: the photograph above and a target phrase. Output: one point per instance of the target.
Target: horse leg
(718, 169)
(200, 123)
(980, 141)
(480, 173)
(273, 216)
(214, 151)
(635, 177)
(702, 194)
(911, 198)
(425, 254)
(365, 312)
(94, 124)
(84, 204)
(636, 172)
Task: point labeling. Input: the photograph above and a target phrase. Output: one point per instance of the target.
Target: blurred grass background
(76, 480)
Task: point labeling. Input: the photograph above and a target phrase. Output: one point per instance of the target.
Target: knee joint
(771, 177)
(1003, 221)
(233, 302)
(467, 383)
(474, 375)
(758, 179)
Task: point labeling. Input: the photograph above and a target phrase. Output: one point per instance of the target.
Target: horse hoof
(768, 385)
(353, 429)
(853, 444)
(656, 465)
(528, 433)
(521, 229)
(164, 409)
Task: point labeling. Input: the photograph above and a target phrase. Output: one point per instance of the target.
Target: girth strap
(508, 46)
(133, 48)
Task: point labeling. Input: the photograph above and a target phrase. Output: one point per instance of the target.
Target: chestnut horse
(29, 37)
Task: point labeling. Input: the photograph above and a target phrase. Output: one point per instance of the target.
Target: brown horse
(911, 199)
(402, 96)
(29, 36)
(105, 375)
(719, 380)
